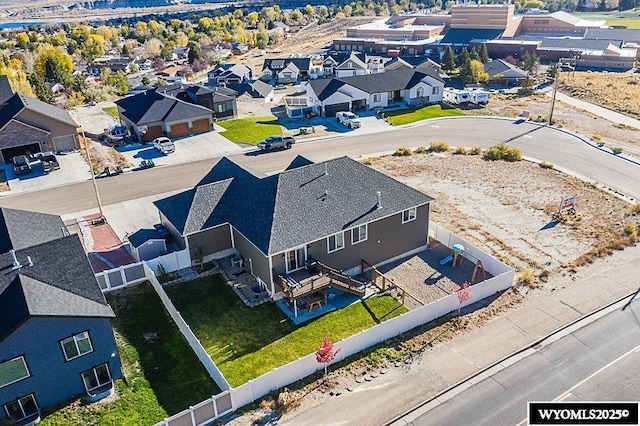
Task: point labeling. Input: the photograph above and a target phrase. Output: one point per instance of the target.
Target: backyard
(406, 116)
(163, 375)
(248, 342)
(250, 130)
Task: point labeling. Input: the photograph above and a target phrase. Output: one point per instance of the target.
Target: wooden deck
(317, 277)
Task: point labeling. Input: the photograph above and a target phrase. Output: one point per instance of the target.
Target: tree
(467, 73)
(309, 10)
(463, 57)
(41, 90)
(153, 47)
(473, 55)
(325, 353)
(484, 55)
(52, 64)
(262, 40)
(22, 40)
(463, 293)
(76, 98)
(117, 80)
(93, 47)
(195, 51)
(145, 81)
(530, 63)
(448, 60)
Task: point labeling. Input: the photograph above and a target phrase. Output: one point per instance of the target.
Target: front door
(296, 259)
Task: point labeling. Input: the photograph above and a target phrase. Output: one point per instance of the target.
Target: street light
(555, 89)
(102, 218)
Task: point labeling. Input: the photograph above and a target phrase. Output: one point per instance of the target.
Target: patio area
(244, 284)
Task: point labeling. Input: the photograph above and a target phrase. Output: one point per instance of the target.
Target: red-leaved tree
(325, 353)
(463, 292)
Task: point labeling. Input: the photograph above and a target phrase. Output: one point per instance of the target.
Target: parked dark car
(48, 160)
(21, 164)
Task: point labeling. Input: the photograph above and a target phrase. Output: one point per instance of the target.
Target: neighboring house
(114, 64)
(338, 212)
(412, 87)
(221, 100)
(180, 53)
(151, 114)
(226, 74)
(282, 70)
(351, 66)
(28, 125)
(56, 341)
(239, 48)
(256, 89)
(499, 69)
(408, 62)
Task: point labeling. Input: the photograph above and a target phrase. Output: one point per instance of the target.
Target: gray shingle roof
(577, 43)
(16, 103)
(626, 35)
(20, 229)
(390, 80)
(277, 64)
(60, 283)
(151, 106)
(499, 66)
(325, 87)
(5, 89)
(299, 205)
(141, 236)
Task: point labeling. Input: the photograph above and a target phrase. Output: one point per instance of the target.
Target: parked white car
(164, 145)
(349, 119)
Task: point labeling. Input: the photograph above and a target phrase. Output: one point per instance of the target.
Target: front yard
(163, 375)
(411, 115)
(248, 342)
(250, 130)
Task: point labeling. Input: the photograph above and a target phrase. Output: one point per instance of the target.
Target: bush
(368, 161)
(421, 150)
(461, 150)
(616, 150)
(527, 277)
(475, 150)
(438, 146)
(634, 209)
(502, 152)
(546, 165)
(403, 151)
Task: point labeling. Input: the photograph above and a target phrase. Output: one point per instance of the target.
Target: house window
(377, 97)
(295, 259)
(390, 95)
(359, 234)
(222, 107)
(22, 408)
(76, 346)
(13, 371)
(420, 92)
(96, 377)
(409, 215)
(435, 90)
(335, 242)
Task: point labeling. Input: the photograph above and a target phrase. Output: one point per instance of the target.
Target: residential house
(180, 53)
(369, 91)
(353, 65)
(502, 72)
(417, 62)
(28, 125)
(257, 89)
(152, 114)
(287, 70)
(221, 100)
(239, 48)
(175, 71)
(226, 74)
(338, 212)
(114, 64)
(56, 341)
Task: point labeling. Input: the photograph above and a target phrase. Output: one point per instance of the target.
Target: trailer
(479, 97)
(456, 96)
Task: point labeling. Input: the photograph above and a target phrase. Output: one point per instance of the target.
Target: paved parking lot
(73, 169)
(193, 148)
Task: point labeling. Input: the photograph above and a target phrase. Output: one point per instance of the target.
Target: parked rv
(456, 96)
(479, 97)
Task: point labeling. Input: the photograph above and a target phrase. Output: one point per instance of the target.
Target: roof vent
(379, 203)
(16, 264)
(29, 261)
(326, 169)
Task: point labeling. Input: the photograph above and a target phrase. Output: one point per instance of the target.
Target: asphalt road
(546, 144)
(599, 362)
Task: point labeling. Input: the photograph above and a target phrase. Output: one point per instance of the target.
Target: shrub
(634, 209)
(438, 146)
(368, 161)
(421, 150)
(475, 150)
(163, 275)
(403, 151)
(546, 165)
(596, 138)
(527, 277)
(461, 150)
(616, 150)
(502, 152)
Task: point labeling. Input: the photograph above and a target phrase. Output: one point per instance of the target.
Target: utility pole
(555, 90)
(102, 218)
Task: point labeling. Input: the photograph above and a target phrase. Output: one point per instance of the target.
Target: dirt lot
(589, 125)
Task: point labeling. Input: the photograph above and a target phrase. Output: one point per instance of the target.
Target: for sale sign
(568, 203)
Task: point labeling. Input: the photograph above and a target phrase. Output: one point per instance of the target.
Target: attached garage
(9, 153)
(179, 130)
(152, 133)
(201, 126)
(330, 110)
(65, 143)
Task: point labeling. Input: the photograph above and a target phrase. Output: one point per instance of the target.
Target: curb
(507, 360)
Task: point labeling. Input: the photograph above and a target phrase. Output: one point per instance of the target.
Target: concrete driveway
(193, 148)
(73, 169)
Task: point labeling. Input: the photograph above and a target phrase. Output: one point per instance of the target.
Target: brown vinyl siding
(259, 262)
(212, 241)
(54, 127)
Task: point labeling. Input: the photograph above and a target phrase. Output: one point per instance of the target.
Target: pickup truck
(276, 142)
(164, 145)
(349, 119)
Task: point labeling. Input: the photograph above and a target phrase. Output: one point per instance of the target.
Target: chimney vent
(379, 203)
(29, 261)
(16, 264)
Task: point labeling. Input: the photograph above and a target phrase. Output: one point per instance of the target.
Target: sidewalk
(401, 389)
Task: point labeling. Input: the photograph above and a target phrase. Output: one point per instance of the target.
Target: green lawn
(112, 111)
(406, 116)
(632, 24)
(250, 130)
(248, 342)
(628, 18)
(162, 377)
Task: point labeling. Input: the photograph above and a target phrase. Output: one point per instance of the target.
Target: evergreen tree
(467, 73)
(41, 90)
(463, 57)
(448, 60)
(474, 54)
(484, 55)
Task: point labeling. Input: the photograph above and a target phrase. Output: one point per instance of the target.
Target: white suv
(349, 119)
